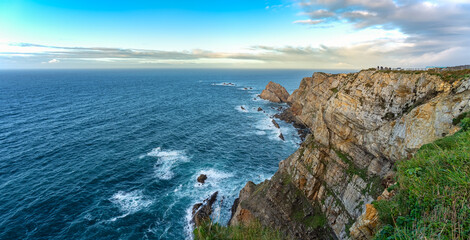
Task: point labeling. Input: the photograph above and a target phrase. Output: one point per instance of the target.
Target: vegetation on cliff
(211, 231)
(432, 198)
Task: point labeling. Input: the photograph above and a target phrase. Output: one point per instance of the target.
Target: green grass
(254, 231)
(433, 193)
(449, 76)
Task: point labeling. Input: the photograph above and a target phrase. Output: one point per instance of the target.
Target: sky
(295, 34)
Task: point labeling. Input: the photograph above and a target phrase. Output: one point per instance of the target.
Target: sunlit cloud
(308, 21)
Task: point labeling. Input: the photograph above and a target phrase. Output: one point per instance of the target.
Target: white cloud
(308, 21)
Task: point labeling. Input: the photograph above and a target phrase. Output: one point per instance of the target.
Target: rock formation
(275, 123)
(274, 92)
(203, 211)
(202, 178)
(361, 124)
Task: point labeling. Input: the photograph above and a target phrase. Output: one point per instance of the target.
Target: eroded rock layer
(361, 124)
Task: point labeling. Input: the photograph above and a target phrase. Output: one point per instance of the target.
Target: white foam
(213, 174)
(129, 202)
(260, 133)
(267, 125)
(189, 226)
(227, 84)
(166, 161)
(213, 178)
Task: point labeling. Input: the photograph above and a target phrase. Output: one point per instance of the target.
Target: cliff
(361, 124)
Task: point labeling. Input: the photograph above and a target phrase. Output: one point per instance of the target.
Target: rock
(279, 109)
(275, 123)
(260, 109)
(271, 203)
(242, 108)
(364, 121)
(281, 137)
(196, 207)
(365, 226)
(203, 211)
(202, 178)
(274, 92)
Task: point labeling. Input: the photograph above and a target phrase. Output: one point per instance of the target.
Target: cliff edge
(361, 124)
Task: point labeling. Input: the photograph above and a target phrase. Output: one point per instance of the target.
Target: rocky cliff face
(361, 124)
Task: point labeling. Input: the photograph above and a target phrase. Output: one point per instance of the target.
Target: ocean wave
(166, 162)
(129, 202)
(227, 84)
(213, 176)
(266, 125)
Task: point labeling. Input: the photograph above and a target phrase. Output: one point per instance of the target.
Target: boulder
(274, 92)
(281, 137)
(260, 109)
(202, 178)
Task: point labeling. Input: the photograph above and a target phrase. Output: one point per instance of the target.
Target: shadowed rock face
(361, 124)
(203, 211)
(274, 92)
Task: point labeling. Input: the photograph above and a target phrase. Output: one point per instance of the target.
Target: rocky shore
(356, 126)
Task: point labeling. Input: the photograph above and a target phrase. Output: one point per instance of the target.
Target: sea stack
(274, 92)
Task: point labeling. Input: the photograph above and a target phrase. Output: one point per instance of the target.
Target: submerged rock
(275, 123)
(274, 92)
(202, 178)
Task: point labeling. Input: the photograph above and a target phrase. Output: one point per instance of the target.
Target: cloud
(431, 27)
(308, 21)
(362, 55)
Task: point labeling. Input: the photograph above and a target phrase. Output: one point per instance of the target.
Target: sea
(115, 154)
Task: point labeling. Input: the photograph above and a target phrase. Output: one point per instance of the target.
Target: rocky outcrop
(361, 124)
(275, 123)
(202, 178)
(274, 92)
(202, 211)
(279, 204)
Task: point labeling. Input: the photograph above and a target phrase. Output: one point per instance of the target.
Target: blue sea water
(114, 154)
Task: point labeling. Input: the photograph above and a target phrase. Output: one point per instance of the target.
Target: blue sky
(235, 34)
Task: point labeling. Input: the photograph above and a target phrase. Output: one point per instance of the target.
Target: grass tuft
(211, 231)
(433, 193)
